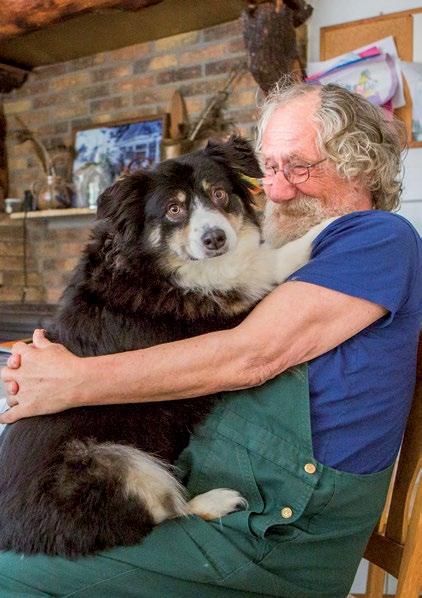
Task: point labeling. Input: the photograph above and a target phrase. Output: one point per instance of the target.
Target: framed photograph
(104, 152)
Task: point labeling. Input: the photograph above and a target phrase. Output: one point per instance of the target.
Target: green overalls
(303, 534)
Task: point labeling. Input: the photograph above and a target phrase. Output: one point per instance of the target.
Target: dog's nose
(214, 238)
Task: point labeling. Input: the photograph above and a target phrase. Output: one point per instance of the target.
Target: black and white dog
(174, 253)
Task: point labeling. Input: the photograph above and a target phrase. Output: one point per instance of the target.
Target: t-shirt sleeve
(372, 255)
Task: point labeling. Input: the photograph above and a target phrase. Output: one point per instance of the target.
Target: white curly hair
(359, 137)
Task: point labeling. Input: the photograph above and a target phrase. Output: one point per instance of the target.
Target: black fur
(53, 498)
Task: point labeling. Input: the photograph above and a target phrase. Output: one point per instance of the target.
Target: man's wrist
(86, 381)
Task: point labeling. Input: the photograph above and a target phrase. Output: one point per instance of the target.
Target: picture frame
(105, 151)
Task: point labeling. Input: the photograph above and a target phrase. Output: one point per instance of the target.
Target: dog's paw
(216, 503)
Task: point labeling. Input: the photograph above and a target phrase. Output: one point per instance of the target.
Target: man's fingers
(39, 339)
(19, 347)
(12, 387)
(11, 415)
(7, 375)
(11, 401)
(14, 361)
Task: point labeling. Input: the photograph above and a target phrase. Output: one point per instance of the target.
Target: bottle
(29, 201)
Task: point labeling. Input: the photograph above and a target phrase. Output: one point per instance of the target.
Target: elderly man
(310, 448)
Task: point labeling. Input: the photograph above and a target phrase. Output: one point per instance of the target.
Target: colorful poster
(374, 77)
(413, 75)
(383, 46)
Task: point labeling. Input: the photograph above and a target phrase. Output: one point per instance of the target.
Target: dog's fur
(174, 253)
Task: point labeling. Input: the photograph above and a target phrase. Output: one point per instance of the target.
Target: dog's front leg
(294, 255)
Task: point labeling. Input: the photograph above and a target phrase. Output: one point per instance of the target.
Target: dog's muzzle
(214, 241)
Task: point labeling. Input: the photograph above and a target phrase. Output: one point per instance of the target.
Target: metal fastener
(286, 512)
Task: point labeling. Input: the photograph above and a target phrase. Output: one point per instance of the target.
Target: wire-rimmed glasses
(294, 173)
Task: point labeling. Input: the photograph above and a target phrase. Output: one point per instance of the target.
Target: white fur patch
(148, 478)
(253, 268)
(216, 503)
(201, 220)
(245, 267)
(294, 255)
(155, 236)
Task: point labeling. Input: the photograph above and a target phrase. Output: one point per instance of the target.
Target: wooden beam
(11, 77)
(22, 16)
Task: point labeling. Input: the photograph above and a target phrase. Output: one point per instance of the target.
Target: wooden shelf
(64, 213)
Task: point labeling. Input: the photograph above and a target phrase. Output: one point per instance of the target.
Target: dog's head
(195, 207)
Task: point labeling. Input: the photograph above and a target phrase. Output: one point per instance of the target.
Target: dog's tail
(91, 497)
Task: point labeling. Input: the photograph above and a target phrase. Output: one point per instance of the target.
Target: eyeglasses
(294, 173)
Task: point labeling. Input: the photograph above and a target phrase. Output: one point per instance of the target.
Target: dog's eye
(220, 197)
(174, 209)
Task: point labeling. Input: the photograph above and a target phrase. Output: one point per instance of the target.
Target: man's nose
(280, 188)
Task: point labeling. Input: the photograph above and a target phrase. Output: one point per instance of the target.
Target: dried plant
(24, 134)
(211, 114)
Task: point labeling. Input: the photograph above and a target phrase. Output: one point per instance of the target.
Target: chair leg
(410, 574)
(375, 582)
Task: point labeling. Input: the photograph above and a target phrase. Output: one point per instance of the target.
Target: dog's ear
(123, 202)
(237, 153)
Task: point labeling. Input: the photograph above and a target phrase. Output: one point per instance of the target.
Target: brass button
(286, 512)
(309, 468)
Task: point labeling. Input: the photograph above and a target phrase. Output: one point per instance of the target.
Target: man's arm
(296, 322)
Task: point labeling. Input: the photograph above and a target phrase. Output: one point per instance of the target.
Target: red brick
(70, 81)
(224, 30)
(176, 41)
(203, 86)
(33, 86)
(93, 91)
(43, 101)
(109, 104)
(109, 73)
(53, 295)
(153, 96)
(203, 54)
(141, 66)
(62, 265)
(163, 62)
(224, 66)
(190, 72)
(47, 72)
(130, 52)
(54, 128)
(132, 84)
(236, 45)
(243, 116)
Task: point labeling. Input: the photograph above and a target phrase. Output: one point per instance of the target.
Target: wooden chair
(396, 545)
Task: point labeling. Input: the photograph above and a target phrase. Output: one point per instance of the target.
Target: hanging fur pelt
(270, 39)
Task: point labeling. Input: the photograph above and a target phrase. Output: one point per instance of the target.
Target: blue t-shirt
(361, 391)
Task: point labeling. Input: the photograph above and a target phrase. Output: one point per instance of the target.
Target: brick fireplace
(128, 83)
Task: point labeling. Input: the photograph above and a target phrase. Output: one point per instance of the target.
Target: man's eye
(269, 170)
(298, 168)
(220, 197)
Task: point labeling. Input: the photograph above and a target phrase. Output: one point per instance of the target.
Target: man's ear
(237, 153)
(123, 202)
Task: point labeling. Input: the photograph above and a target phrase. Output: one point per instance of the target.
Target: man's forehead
(291, 132)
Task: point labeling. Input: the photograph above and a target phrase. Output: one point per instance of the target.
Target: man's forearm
(193, 367)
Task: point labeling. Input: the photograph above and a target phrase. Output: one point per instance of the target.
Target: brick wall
(128, 83)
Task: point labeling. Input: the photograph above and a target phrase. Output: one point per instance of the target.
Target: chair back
(396, 545)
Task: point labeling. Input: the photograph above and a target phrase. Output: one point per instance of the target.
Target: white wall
(332, 12)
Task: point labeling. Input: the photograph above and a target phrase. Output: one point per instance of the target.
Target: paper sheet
(413, 74)
(387, 45)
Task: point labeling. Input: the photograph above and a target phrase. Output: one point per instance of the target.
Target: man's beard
(291, 219)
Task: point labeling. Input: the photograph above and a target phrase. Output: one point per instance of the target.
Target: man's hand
(40, 378)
